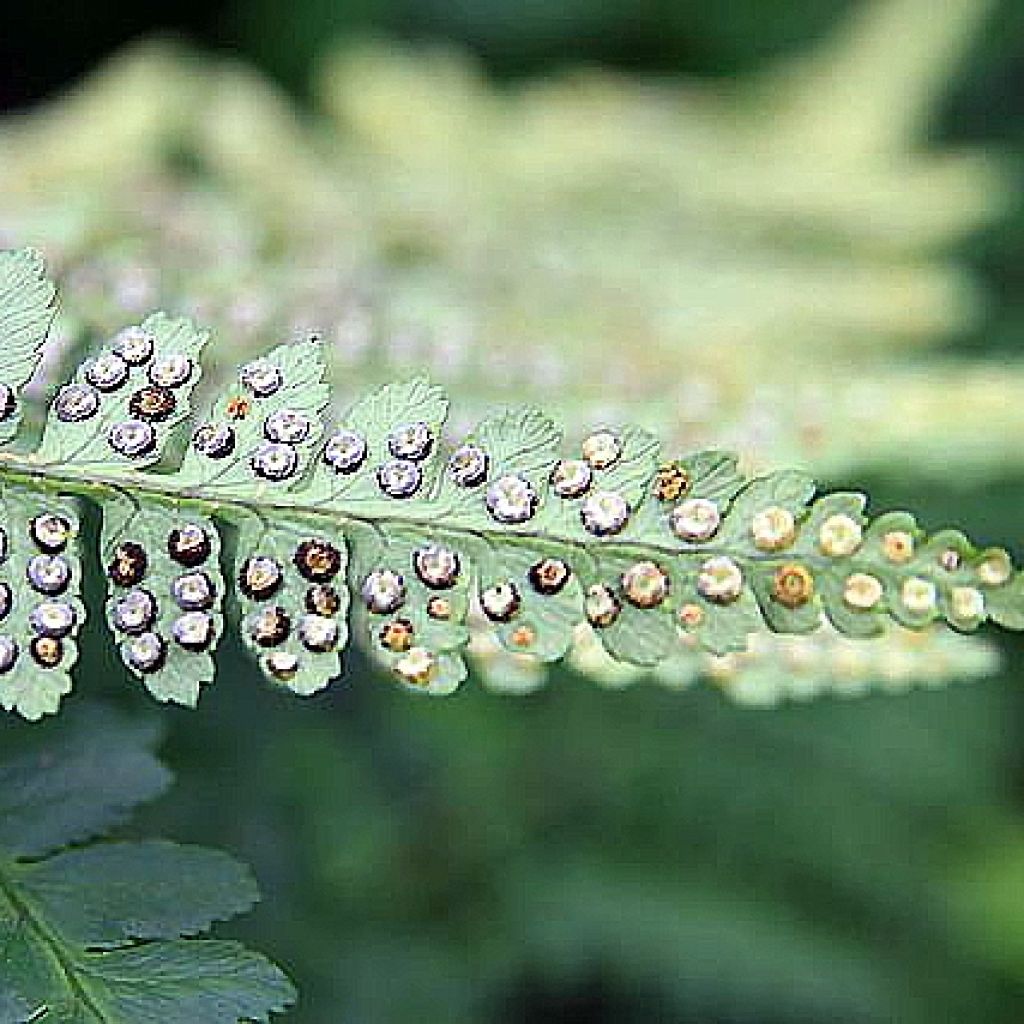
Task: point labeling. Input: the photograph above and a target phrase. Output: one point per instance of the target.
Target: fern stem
(79, 481)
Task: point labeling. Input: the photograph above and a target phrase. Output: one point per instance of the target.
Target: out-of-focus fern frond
(697, 248)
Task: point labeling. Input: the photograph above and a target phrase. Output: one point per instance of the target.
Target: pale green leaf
(27, 308)
(171, 648)
(41, 576)
(246, 413)
(127, 423)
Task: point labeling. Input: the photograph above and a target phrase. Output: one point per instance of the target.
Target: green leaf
(164, 606)
(119, 412)
(93, 934)
(27, 308)
(102, 896)
(292, 619)
(409, 405)
(249, 461)
(199, 982)
(13, 1009)
(79, 777)
(40, 598)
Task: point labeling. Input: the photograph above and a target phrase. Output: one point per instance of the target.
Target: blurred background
(789, 226)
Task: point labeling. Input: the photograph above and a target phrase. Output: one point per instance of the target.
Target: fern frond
(108, 932)
(380, 525)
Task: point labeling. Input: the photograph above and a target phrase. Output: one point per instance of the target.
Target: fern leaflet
(105, 933)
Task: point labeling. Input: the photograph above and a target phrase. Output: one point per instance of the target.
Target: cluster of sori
(128, 361)
(277, 619)
(275, 457)
(772, 531)
(512, 499)
(48, 573)
(135, 610)
(384, 592)
(842, 536)
(398, 476)
(603, 512)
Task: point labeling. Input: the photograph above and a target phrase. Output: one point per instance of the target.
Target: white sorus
(773, 528)
(260, 577)
(436, 565)
(135, 612)
(383, 591)
(418, 666)
(511, 499)
(287, 426)
(132, 438)
(411, 441)
(274, 461)
(571, 478)
(500, 602)
(76, 402)
(261, 377)
(134, 345)
(645, 584)
(282, 665)
(468, 466)
(862, 591)
(318, 633)
(602, 606)
(144, 653)
(189, 544)
(919, 596)
(193, 631)
(839, 535)
(51, 532)
(171, 370)
(399, 478)
(995, 568)
(52, 618)
(720, 579)
(49, 574)
(107, 372)
(604, 513)
(214, 440)
(966, 604)
(345, 452)
(695, 519)
(602, 449)
(193, 591)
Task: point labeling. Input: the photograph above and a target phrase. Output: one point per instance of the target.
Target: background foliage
(581, 855)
